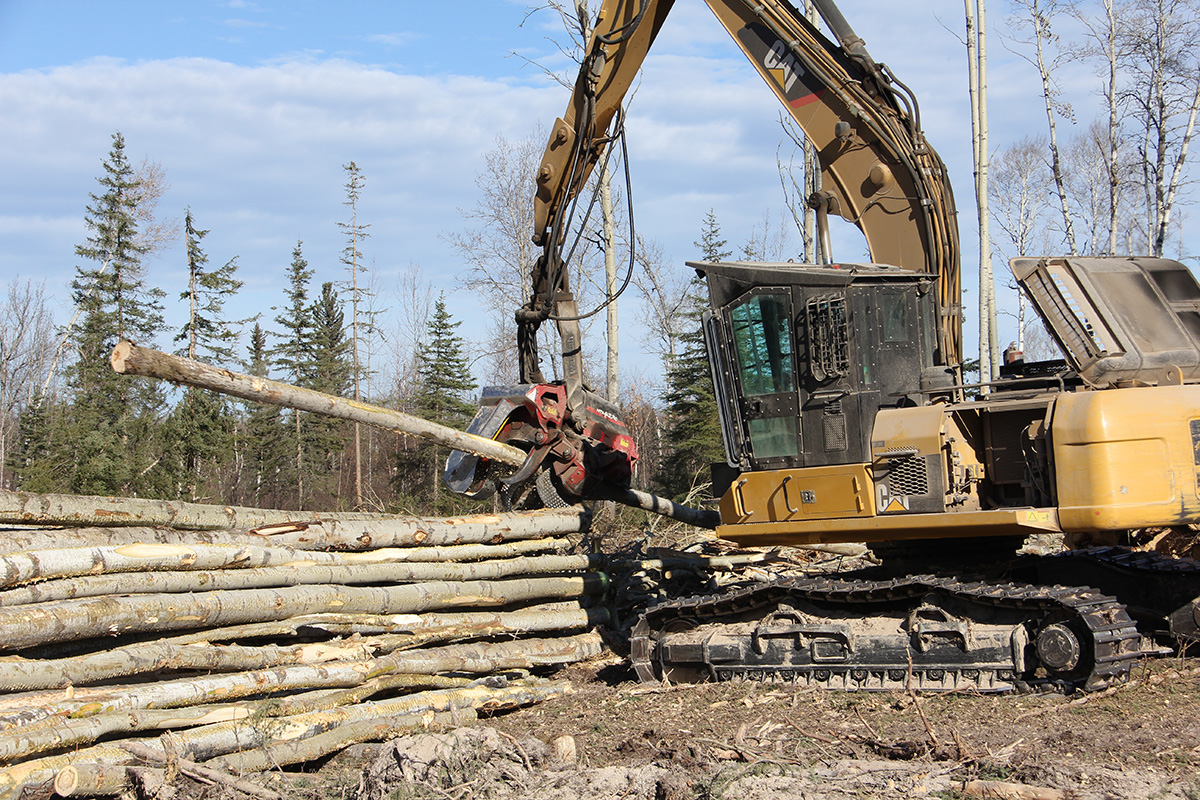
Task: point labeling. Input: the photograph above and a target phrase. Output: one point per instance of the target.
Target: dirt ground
(615, 738)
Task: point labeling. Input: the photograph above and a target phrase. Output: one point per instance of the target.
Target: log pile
(223, 652)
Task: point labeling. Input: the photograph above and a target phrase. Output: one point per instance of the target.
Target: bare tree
(767, 241)
(664, 298)
(356, 231)
(1019, 186)
(26, 351)
(1157, 43)
(153, 232)
(1036, 17)
(579, 21)
(498, 248)
(1100, 46)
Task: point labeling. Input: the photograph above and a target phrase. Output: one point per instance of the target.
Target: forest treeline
(70, 424)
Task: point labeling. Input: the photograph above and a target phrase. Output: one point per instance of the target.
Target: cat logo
(781, 66)
(889, 504)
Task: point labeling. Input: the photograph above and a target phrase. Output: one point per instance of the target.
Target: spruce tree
(444, 395)
(114, 417)
(291, 357)
(201, 428)
(265, 435)
(41, 457)
(207, 334)
(329, 371)
(692, 439)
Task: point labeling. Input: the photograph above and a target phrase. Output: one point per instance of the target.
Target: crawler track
(923, 632)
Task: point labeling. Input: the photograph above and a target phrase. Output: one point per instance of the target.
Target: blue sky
(253, 106)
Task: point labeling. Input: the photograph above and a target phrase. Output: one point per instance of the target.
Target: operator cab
(804, 356)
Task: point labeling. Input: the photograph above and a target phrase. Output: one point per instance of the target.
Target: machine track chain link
(1113, 638)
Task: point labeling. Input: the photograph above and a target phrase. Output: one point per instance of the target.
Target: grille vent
(908, 476)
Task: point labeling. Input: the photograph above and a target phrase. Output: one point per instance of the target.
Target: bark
(476, 659)
(50, 538)
(147, 657)
(411, 531)
(701, 518)
(211, 741)
(612, 337)
(71, 620)
(305, 572)
(526, 619)
(81, 510)
(129, 359)
(18, 568)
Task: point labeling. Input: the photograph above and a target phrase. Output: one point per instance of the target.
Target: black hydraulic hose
(626, 30)
(632, 236)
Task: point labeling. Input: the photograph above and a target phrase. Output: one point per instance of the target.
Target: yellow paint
(837, 491)
(999, 522)
(1123, 458)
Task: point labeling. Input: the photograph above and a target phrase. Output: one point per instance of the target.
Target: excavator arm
(877, 169)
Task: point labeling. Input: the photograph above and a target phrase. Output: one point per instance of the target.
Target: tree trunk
(479, 659)
(147, 657)
(612, 384)
(71, 620)
(283, 754)
(129, 359)
(247, 576)
(440, 626)
(84, 510)
(412, 531)
(57, 734)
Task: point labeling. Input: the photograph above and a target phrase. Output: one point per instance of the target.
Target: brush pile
(217, 653)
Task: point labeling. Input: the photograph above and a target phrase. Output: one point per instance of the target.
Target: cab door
(760, 331)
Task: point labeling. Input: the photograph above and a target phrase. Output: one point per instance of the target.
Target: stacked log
(211, 653)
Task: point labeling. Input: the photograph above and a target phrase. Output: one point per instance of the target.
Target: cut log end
(120, 356)
(66, 782)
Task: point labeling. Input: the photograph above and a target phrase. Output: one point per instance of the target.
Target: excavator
(845, 416)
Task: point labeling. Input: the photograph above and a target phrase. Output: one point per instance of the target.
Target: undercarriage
(862, 632)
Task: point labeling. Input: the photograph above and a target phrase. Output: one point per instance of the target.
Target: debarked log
(201, 744)
(71, 620)
(129, 359)
(478, 659)
(19, 675)
(300, 573)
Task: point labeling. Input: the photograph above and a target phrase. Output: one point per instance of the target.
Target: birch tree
(1019, 187)
(989, 348)
(1157, 43)
(1035, 19)
(26, 348)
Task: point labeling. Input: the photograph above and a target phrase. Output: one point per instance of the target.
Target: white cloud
(257, 151)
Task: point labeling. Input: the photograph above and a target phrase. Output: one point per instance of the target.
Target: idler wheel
(1058, 648)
